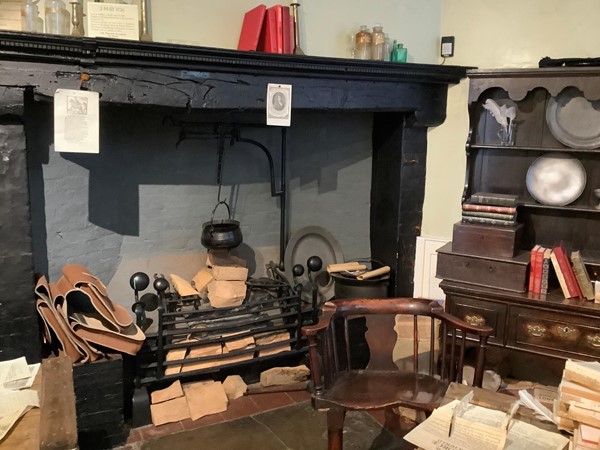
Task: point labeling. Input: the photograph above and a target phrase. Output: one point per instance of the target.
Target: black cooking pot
(218, 234)
(347, 287)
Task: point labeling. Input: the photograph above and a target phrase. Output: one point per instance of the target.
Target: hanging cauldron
(221, 234)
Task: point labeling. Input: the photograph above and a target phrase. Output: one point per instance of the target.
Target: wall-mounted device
(447, 48)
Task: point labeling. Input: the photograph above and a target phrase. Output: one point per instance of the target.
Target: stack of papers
(16, 376)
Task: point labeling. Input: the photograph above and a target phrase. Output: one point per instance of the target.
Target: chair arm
(323, 323)
(460, 324)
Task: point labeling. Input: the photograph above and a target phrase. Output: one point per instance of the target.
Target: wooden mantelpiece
(405, 99)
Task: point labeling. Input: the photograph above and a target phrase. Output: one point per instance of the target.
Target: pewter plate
(556, 179)
(573, 120)
(307, 242)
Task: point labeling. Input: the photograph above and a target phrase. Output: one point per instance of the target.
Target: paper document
(480, 429)
(15, 369)
(24, 383)
(13, 405)
(76, 121)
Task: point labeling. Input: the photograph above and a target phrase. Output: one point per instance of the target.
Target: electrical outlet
(447, 49)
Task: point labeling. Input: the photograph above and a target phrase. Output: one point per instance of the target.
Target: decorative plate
(573, 120)
(556, 179)
(307, 242)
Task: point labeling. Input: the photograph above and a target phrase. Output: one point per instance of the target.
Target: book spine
(490, 215)
(484, 199)
(532, 260)
(567, 271)
(537, 274)
(559, 275)
(545, 274)
(486, 221)
(489, 208)
(582, 276)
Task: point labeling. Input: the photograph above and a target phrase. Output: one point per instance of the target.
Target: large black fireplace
(143, 82)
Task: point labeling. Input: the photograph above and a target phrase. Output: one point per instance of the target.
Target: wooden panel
(480, 312)
(501, 273)
(553, 333)
(58, 427)
(486, 240)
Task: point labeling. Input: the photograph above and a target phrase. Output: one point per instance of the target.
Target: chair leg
(335, 428)
(392, 422)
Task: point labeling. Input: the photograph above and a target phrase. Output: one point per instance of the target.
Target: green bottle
(398, 53)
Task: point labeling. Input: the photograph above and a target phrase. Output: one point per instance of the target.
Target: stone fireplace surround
(346, 114)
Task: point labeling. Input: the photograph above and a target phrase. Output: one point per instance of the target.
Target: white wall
(326, 26)
(505, 34)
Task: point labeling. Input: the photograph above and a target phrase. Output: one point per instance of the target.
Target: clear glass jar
(57, 17)
(363, 43)
(378, 46)
(30, 17)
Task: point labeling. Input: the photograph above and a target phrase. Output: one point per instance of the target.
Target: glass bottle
(363, 43)
(399, 53)
(388, 48)
(30, 17)
(378, 46)
(57, 17)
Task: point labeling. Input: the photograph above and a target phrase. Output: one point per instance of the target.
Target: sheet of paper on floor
(15, 369)
(14, 404)
(480, 429)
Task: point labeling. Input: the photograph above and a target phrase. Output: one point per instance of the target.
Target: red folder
(287, 37)
(251, 29)
(268, 37)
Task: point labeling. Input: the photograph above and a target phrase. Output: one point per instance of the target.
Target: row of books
(486, 208)
(570, 271)
(269, 30)
(577, 406)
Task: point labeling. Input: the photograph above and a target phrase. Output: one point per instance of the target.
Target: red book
(567, 270)
(287, 38)
(279, 26)
(537, 270)
(251, 29)
(268, 37)
(489, 208)
(532, 261)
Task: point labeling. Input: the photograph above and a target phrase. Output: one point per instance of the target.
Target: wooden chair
(337, 387)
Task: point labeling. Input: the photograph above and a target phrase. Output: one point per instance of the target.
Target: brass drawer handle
(565, 331)
(475, 320)
(536, 330)
(593, 340)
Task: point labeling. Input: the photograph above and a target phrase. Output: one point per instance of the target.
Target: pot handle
(221, 202)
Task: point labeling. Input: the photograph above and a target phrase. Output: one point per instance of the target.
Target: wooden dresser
(484, 289)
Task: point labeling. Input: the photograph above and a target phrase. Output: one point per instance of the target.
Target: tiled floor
(242, 407)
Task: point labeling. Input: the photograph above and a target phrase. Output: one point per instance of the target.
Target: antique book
(582, 275)
(486, 221)
(559, 275)
(489, 208)
(491, 198)
(251, 29)
(567, 271)
(545, 271)
(532, 261)
(537, 270)
(489, 215)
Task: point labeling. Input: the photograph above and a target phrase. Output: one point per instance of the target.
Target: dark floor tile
(299, 396)
(134, 436)
(162, 430)
(189, 424)
(266, 402)
(243, 434)
(240, 407)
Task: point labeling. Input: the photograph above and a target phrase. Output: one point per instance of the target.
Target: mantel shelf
(531, 148)
(568, 208)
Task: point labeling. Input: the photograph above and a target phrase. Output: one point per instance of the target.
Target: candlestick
(297, 49)
(145, 35)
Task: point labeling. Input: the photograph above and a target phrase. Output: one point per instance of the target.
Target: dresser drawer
(479, 312)
(510, 274)
(555, 333)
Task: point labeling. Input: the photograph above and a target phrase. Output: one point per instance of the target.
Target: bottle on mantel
(57, 17)
(378, 45)
(363, 43)
(30, 17)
